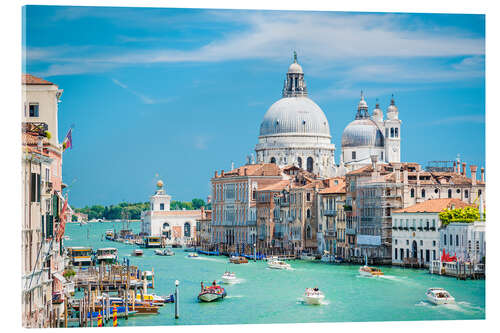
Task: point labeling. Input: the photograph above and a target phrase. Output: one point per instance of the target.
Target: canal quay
(263, 295)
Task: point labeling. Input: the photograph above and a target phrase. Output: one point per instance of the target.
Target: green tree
(466, 214)
(197, 203)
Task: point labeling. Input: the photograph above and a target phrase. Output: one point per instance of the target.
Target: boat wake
(463, 306)
(300, 300)
(235, 296)
(207, 259)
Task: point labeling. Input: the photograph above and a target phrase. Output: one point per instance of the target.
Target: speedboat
(439, 296)
(156, 299)
(164, 252)
(278, 264)
(193, 255)
(238, 260)
(212, 293)
(229, 277)
(137, 253)
(313, 296)
(370, 271)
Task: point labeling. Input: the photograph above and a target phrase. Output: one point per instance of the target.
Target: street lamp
(176, 299)
(254, 252)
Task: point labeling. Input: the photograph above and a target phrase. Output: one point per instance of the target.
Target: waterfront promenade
(270, 296)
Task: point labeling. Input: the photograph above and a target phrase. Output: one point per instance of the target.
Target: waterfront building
(464, 240)
(296, 131)
(203, 229)
(416, 231)
(176, 226)
(371, 135)
(332, 218)
(234, 210)
(376, 190)
(42, 258)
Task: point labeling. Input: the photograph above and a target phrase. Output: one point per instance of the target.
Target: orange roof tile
(31, 79)
(278, 186)
(434, 206)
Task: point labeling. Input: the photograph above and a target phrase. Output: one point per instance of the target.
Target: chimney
(245, 171)
(215, 176)
(473, 174)
(458, 167)
(222, 173)
(202, 212)
(454, 166)
(374, 159)
(482, 174)
(405, 176)
(397, 170)
(463, 168)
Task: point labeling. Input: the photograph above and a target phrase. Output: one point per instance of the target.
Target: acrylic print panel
(277, 166)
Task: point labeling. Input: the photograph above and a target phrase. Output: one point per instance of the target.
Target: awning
(59, 277)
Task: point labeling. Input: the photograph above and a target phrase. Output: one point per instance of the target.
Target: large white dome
(361, 133)
(295, 115)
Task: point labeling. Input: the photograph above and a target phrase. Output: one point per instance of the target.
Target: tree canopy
(466, 214)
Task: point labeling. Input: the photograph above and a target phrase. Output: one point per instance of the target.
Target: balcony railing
(330, 212)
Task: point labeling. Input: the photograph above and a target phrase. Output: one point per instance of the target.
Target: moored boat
(107, 255)
(313, 296)
(110, 234)
(212, 293)
(308, 256)
(152, 241)
(439, 296)
(278, 264)
(80, 256)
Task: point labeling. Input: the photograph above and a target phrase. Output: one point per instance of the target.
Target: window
(309, 164)
(395, 254)
(395, 242)
(401, 254)
(34, 112)
(451, 240)
(308, 196)
(353, 155)
(479, 192)
(449, 193)
(392, 132)
(466, 193)
(35, 187)
(187, 229)
(427, 255)
(382, 155)
(299, 162)
(396, 134)
(162, 206)
(412, 193)
(458, 190)
(436, 190)
(423, 193)
(433, 243)
(273, 160)
(457, 243)
(308, 232)
(308, 213)
(444, 239)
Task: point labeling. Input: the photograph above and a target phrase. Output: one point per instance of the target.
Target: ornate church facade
(295, 131)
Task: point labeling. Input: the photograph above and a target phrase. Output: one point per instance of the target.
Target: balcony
(48, 187)
(330, 212)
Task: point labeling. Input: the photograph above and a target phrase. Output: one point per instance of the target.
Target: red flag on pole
(62, 218)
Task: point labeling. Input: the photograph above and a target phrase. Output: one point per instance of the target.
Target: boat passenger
(316, 289)
(214, 283)
(202, 287)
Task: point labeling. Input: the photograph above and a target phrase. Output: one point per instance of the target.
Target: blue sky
(181, 93)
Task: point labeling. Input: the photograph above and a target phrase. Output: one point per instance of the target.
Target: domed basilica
(296, 131)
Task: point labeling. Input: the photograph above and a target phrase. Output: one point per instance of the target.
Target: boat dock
(460, 270)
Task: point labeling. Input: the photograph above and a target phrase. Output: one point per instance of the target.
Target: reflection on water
(271, 296)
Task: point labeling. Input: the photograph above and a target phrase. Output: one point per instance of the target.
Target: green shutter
(33, 187)
(50, 225)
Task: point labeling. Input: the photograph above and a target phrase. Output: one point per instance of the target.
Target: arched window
(436, 191)
(187, 229)
(392, 132)
(299, 162)
(423, 193)
(457, 241)
(273, 160)
(309, 164)
(449, 193)
(308, 213)
(466, 193)
(308, 232)
(165, 225)
(444, 239)
(396, 134)
(412, 193)
(451, 240)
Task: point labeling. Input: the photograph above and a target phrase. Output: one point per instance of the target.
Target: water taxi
(370, 271)
(313, 296)
(212, 293)
(238, 260)
(193, 255)
(137, 253)
(229, 277)
(152, 241)
(157, 300)
(278, 264)
(164, 252)
(439, 296)
(107, 255)
(80, 256)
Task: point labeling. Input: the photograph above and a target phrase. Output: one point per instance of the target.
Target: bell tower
(393, 133)
(294, 84)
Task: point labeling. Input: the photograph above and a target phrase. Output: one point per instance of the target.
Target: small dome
(295, 115)
(159, 184)
(362, 104)
(295, 68)
(392, 110)
(377, 114)
(362, 132)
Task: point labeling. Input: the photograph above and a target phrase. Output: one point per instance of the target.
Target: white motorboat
(278, 264)
(308, 256)
(439, 296)
(313, 296)
(229, 277)
(137, 253)
(193, 255)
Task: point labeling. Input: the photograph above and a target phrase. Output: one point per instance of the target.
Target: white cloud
(145, 99)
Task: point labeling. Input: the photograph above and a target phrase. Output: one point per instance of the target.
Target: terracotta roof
(278, 186)
(434, 206)
(31, 79)
(264, 169)
(334, 188)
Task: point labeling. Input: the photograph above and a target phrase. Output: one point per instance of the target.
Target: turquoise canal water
(274, 296)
